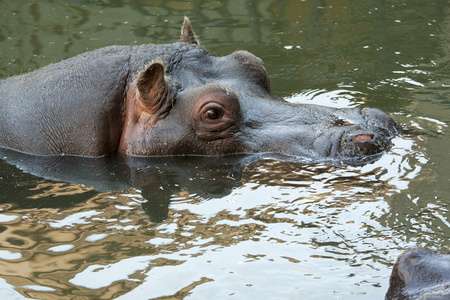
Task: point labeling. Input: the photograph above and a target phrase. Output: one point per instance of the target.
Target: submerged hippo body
(174, 99)
(420, 274)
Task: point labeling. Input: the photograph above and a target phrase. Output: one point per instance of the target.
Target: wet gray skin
(420, 274)
(175, 99)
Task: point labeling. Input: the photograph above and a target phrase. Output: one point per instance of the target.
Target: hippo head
(199, 104)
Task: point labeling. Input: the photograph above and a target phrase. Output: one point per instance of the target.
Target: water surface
(238, 226)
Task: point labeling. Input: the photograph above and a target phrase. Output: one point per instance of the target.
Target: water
(236, 227)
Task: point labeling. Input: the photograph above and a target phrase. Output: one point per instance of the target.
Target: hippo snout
(362, 143)
(381, 121)
(372, 138)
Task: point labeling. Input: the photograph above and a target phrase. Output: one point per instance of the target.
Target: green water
(271, 229)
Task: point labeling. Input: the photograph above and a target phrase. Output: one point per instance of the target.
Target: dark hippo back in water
(420, 274)
(176, 99)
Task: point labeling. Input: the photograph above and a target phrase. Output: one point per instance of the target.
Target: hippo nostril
(360, 144)
(362, 138)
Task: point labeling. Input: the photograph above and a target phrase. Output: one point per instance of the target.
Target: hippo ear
(187, 34)
(153, 88)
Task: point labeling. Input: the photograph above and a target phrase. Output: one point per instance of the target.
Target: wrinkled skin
(175, 99)
(420, 274)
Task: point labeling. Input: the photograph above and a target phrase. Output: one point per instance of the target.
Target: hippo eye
(212, 112)
(215, 113)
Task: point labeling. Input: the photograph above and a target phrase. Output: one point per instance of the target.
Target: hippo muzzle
(372, 138)
(317, 132)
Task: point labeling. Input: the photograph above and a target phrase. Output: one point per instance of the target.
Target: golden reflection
(59, 245)
(312, 205)
(48, 189)
(54, 268)
(56, 247)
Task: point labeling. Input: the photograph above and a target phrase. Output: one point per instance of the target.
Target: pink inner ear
(152, 86)
(157, 85)
(362, 138)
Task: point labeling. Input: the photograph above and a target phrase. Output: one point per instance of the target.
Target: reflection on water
(237, 226)
(304, 224)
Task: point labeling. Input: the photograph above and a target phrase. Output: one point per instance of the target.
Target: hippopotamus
(175, 99)
(420, 274)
